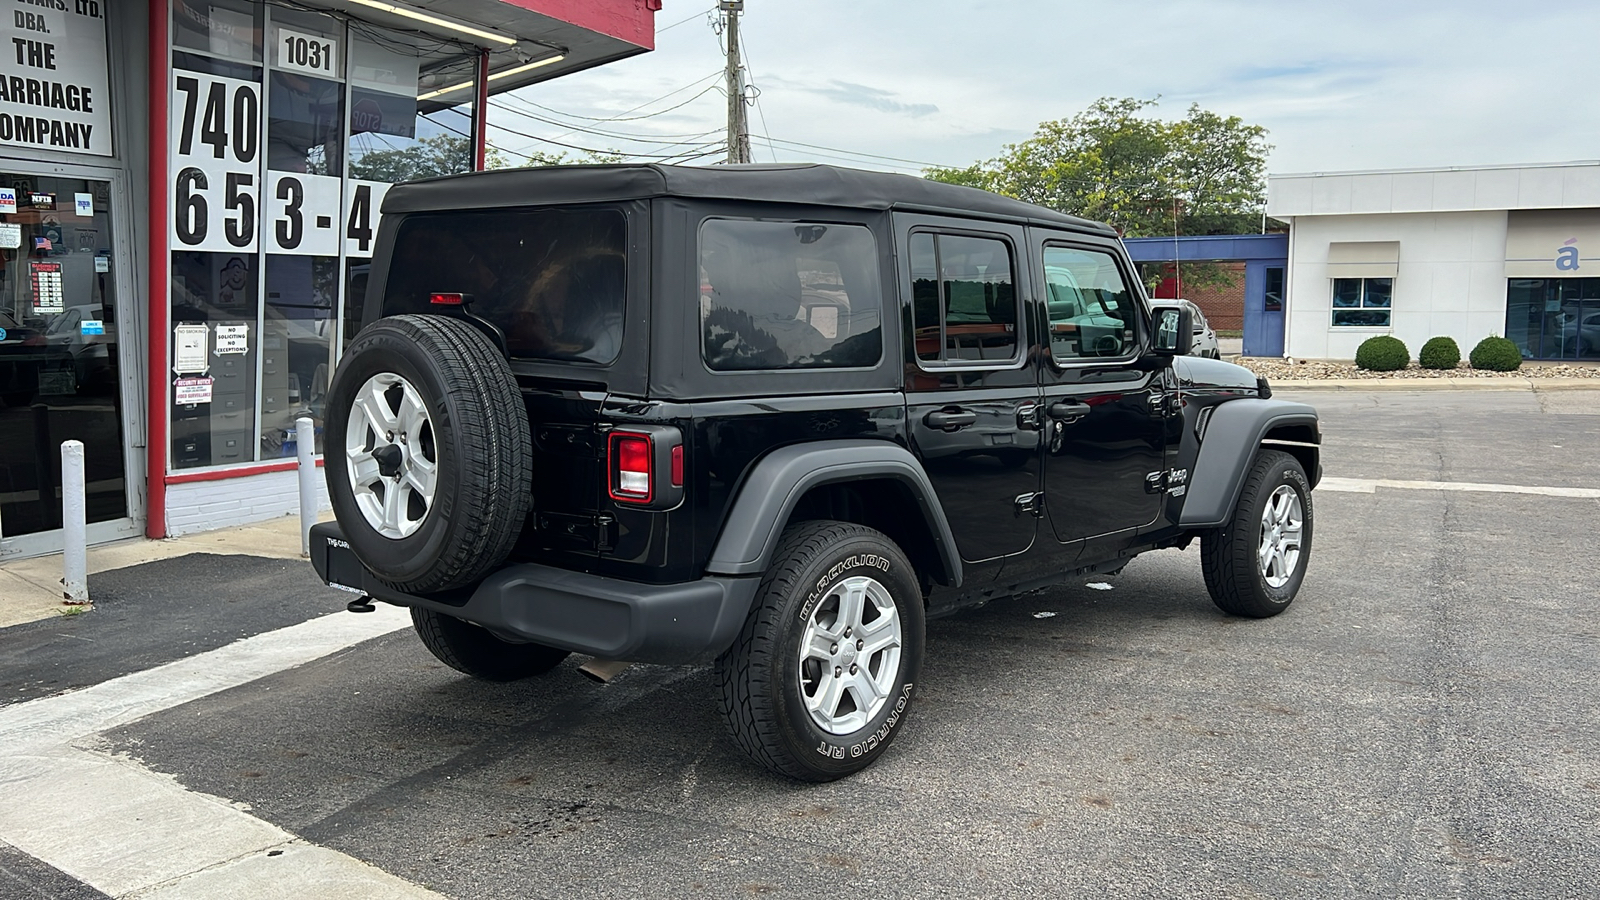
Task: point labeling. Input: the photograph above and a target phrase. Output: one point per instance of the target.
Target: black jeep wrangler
(774, 417)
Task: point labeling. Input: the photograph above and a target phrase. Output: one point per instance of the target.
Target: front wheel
(820, 678)
(1255, 563)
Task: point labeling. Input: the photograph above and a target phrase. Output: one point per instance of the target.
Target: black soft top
(805, 183)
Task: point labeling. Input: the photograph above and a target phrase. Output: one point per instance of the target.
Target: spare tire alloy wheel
(390, 455)
(820, 678)
(435, 483)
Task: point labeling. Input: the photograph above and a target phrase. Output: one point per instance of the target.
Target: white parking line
(129, 832)
(1369, 485)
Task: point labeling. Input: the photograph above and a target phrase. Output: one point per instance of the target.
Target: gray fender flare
(776, 483)
(1227, 451)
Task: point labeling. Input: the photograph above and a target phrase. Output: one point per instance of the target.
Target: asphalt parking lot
(1421, 723)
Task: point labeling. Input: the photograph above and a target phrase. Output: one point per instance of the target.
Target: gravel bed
(1317, 370)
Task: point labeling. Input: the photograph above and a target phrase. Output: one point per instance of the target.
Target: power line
(844, 157)
(914, 162)
(661, 31)
(535, 137)
(666, 139)
(619, 116)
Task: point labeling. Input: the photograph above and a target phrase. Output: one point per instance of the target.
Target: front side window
(553, 280)
(963, 298)
(786, 295)
(1092, 312)
(1362, 302)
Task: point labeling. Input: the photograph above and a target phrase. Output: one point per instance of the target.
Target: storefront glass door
(59, 374)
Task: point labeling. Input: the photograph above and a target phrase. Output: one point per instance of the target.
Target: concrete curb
(1437, 384)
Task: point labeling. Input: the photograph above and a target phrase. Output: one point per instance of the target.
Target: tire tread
(744, 671)
(1227, 561)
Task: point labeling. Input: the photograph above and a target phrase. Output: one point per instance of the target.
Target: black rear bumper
(672, 624)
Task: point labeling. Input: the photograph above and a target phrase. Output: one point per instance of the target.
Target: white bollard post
(305, 440)
(75, 553)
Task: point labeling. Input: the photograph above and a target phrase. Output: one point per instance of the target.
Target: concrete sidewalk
(30, 589)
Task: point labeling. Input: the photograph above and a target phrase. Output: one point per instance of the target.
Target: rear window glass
(787, 295)
(552, 279)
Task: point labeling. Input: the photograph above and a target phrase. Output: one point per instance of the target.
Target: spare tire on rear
(427, 452)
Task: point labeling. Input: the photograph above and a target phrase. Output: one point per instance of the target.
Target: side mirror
(1173, 330)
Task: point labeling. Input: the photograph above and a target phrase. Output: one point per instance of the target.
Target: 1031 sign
(309, 53)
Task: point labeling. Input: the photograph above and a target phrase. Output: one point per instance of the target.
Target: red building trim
(633, 21)
(155, 445)
(480, 113)
(240, 472)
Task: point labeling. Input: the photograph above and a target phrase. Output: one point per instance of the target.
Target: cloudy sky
(1348, 85)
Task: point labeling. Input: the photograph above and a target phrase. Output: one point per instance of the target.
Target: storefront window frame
(342, 323)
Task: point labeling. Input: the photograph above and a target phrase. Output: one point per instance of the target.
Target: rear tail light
(644, 465)
(632, 458)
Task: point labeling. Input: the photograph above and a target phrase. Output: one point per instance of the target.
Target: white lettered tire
(821, 678)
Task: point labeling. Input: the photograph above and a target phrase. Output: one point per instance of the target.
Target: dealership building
(1461, 252)
(188, 195)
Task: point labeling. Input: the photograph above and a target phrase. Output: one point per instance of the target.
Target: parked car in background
(1580, 332)
(1205, 337)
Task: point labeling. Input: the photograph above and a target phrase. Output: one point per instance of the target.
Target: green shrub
(1382, 354)
(1439, 353)
(1497, 354)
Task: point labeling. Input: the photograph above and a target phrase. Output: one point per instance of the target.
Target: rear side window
(787, 295)
(963, 300)
(554, 280)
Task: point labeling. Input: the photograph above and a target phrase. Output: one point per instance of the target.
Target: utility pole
(738, 130)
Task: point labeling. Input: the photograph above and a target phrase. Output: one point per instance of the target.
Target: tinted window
(1092, 312)
(964, 303)
(551, 279)
(1362, 301)
(782, 295)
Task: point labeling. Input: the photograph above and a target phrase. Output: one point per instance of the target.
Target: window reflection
(297, 332)
(303, 124)
(1554, 318)
(977, 318)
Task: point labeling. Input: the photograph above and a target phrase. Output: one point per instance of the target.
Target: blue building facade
(1265, 258)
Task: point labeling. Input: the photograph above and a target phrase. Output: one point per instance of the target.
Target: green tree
(1202, 174)
(442, 154)
(589, 158)
(450, 154)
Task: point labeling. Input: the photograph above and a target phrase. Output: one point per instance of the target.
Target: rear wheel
(1254, 564)
(820, 678)
(476, 651)
(428, 452)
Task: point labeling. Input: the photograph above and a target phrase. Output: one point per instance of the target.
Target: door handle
(1028, 417)
(950, 419)
(1068, 412)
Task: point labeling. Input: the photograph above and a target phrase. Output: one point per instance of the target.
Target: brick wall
(1223, 305)
(207, 505)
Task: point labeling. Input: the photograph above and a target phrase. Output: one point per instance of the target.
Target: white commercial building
(1461, 252)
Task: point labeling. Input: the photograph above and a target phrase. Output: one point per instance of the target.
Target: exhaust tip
(603, 670)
